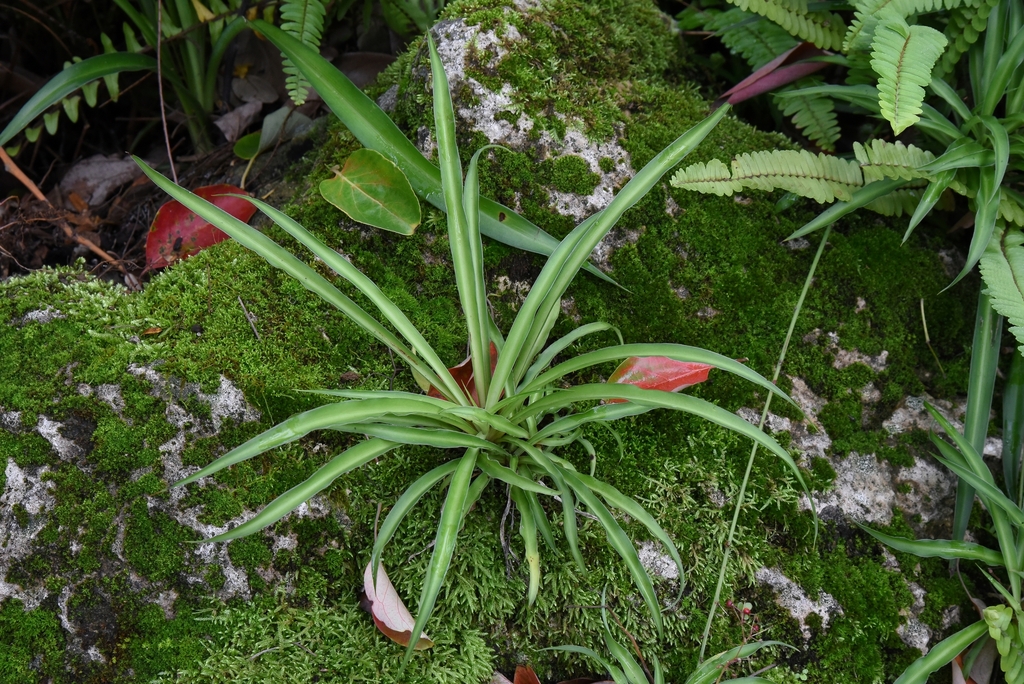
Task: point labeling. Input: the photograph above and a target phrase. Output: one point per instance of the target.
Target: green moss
(569, 173)
(31, 644)
(154, 543)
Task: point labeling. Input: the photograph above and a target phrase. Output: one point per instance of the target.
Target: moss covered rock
(108, 397)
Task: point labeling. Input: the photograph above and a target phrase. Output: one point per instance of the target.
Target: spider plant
(510, 414)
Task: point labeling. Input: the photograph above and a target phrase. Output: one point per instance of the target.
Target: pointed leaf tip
(658, 373)
(388, 611)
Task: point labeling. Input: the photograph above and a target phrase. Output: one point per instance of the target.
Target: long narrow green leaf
(541, 518)
(617, 499)
(946, 92)
(994, 499)
(634, 673)
(942, 653)
(619, 541)
(499, 472)
(603, 413)
(669, 400)
(865, 96)
(938, 548)
(987, 200)
(461, 238)
(569, 528)
(70, 80)
(590, 653)
(483, 417)
(302, 424)
(441, 377)
(373, 129)
(995, 83)
(574, 250)
(410, 497)
(929, 199)
(559, 345)
(962, 153)
(277, 256)
(444, 546)
(677, 352)
(1013, 430)
(528, 531)
(344, 462)
(710, 670)
(440, 439)
(861, 197)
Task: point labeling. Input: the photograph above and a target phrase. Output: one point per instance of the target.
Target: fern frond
(1002, 269)
(821, 177)
(759, 41)
(1011, 207)
(891, 160)
(815, 116)
(903, 57)
(962, 31)
(711, 178)
(868, 12)
(897, 202)
(824, 29)
(303, 19)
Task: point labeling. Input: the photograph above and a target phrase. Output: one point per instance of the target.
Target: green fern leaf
(903, 57)
(821, 177)
(303, 19)
(868, 13)
(963, 29)
(891, 160)
(815, 116)
(1002, 269)
(1011, 207)
(757, 40)
(897, 202)
(824, 29)
(711, 178)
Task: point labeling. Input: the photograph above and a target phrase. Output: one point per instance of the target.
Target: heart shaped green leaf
(372, 190)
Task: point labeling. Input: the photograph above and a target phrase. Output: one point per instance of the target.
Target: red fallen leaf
(659, 373)
(388, 612)
(463, 374)
(177, 233)
(525, 675)
(785, 68)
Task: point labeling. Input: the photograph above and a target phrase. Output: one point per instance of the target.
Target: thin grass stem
(753, 450)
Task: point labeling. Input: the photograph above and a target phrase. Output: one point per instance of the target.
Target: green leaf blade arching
(371, 189)
(942, 654)
(1002, 269)
(70, 80)
(903, 56)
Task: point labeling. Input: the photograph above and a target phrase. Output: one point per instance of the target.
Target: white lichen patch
(26, 496)
(656, 562)
(108, 394)
(792, 597)
(913, 632)
(50, 431)
(47, 314)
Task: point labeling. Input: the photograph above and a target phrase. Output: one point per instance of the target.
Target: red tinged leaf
(784, 69)
(177, 233)
(658, 373)
(463, 374)
(388, 612)
(525, 675)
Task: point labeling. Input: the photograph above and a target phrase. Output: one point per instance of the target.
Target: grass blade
(603, 413)
(574, 250)
(277, 256)
(374, 130)
(677, 352)
(861, 197)
(463, 240)
(444, 545)
(528, 531)
(320, 418)
(541, 518)
(1013, 430)
(942, 654)
(441, 378)
(556, 347)
(283, 505)
(617, 499)
(710, 670)
(499, 472)
(439, 439)
(569, 528)
(938, 548)
(410, 497)
(491, 420)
